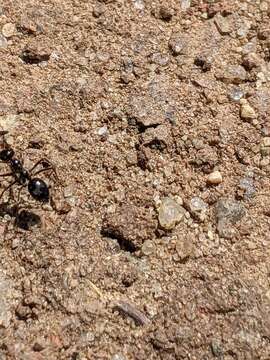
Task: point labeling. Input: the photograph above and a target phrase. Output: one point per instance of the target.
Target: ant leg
(8, 174)
(3, 133)
(43, 170)
(49, 167)
(19, 192)
(41, 161)
(7, 188)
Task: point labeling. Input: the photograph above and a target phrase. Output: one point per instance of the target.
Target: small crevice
(28, 57)
(124, 244)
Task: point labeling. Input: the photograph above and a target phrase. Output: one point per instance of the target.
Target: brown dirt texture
(155, 242)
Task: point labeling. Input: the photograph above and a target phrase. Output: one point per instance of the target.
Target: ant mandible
(37, 188)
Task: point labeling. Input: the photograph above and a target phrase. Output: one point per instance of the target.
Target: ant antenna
(3, 133)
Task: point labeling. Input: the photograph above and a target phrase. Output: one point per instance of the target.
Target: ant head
(6, 154)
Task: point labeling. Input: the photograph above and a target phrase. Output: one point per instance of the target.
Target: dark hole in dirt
(6, 209)
(157, 145)
(31, 58)
(75, 356)
(27, 219)
(125, 244)
(36, 144)
(138, 126)
(23, 219)
(202, 62)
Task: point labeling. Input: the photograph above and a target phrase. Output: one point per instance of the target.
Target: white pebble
(214, 178)
(247, 112)
(102, 131)
(9, 30)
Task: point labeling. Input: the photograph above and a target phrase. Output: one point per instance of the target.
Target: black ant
(37, 188)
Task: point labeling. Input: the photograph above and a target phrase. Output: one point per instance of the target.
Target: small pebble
(102, 131)
(247, 185)
(264, 6)
(170, 213)
(251, 61)
(222, 24)
(249, 47)
(266, 142)
(233, 74)
(185, 4)
(214, 178)
(9, 30)
(228, 212)
(148, 247)
(9, 122)
(243, 29)
(184, 248)
(177, 44)
(264, 162)
(247, 112)
(98, 10)
(265, 146)
(198, 208)
(138, 4)
(118, 357)
(216, 348)
(236, 94)
(160, 59)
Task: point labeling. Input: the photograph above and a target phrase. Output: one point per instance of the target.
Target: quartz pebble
(198, 208)
(177, 44)
(148, 247)
(236, 94)
(214, 178)
(170, 213)
(102, 131)
(228, 212)
(138, 4)
(185, 4)
(9, 30)
(243, 29)
(247, 112)
(249, 47)
(247, 185)
(160, 59)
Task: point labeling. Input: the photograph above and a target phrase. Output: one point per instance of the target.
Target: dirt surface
(155, 244)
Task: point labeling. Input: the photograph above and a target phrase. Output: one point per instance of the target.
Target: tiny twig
(96, 289)
(128, 309)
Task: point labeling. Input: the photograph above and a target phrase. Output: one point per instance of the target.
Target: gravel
(168, 79)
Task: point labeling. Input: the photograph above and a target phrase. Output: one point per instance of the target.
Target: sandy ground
(155, 244)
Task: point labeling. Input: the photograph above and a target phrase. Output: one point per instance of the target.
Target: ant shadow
(24, 219)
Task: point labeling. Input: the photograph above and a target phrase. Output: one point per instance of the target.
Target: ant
(37, 188)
